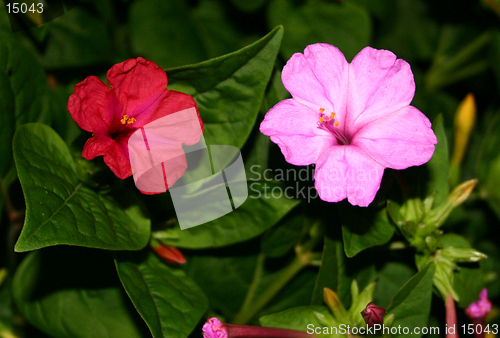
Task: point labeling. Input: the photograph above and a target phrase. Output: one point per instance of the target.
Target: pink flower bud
(373, 314)
(214, 328)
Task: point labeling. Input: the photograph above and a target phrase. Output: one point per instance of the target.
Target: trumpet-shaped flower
(137, 97)
(352, 120)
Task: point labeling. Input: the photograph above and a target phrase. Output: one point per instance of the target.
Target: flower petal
(89, 106)
(318, 79)
(96, 146)
(171, 102)
(137, 84)
(379, 84)
(346, 171)
(156, 154)
(294, 128)
(117, 160)
(399, 140)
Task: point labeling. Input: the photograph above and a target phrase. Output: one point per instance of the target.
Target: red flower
(137, 96)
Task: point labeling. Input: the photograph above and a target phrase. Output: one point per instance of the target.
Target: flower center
(330, 123)
(127, 120)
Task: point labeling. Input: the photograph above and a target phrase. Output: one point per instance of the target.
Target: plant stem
(243, 331)
(451, 317)
(252, 305)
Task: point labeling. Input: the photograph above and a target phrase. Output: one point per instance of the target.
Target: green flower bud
(466, 255)
(439, 215)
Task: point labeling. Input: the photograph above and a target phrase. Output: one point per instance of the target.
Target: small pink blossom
(480, 308)
(352, 120)
(214, 328)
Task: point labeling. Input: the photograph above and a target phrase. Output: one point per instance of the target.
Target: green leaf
(458, 55)
(495, 54)
(176, 34)
(454, 240)
(6, 304)
(438, 164)
(411, 305)
(74, 293)
(76, 39)
(407, 30)
(363, 228)
(491, 184)
(468, 283)
(390, 279)
(169, 301)
(224, 278)
(8, 125)
(167, 36)
(26, 78)
(281, 238)
(297, 318)
(332, 272)
(297, 292)
(276, 92)
(488, 150)
(59, 208)
(344, 25)
(229, 89)
(217, 34)
(259, 212)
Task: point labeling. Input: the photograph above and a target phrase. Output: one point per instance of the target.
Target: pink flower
(480, 308)
(214, 328)
(137, 96)
(352, 120)
(373, 314)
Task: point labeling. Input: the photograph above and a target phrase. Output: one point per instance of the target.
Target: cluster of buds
(420, 222)
(359, 313)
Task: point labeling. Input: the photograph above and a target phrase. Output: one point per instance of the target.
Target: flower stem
(451, 317)
(236, 331)
(251, 306)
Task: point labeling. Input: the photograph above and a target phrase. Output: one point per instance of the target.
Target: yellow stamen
(332, 116)
(321, 120)
(336, 124)
(321, 110)
(127, 120)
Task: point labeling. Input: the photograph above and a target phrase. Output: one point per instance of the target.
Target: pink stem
(247, 331)
(451, 318)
